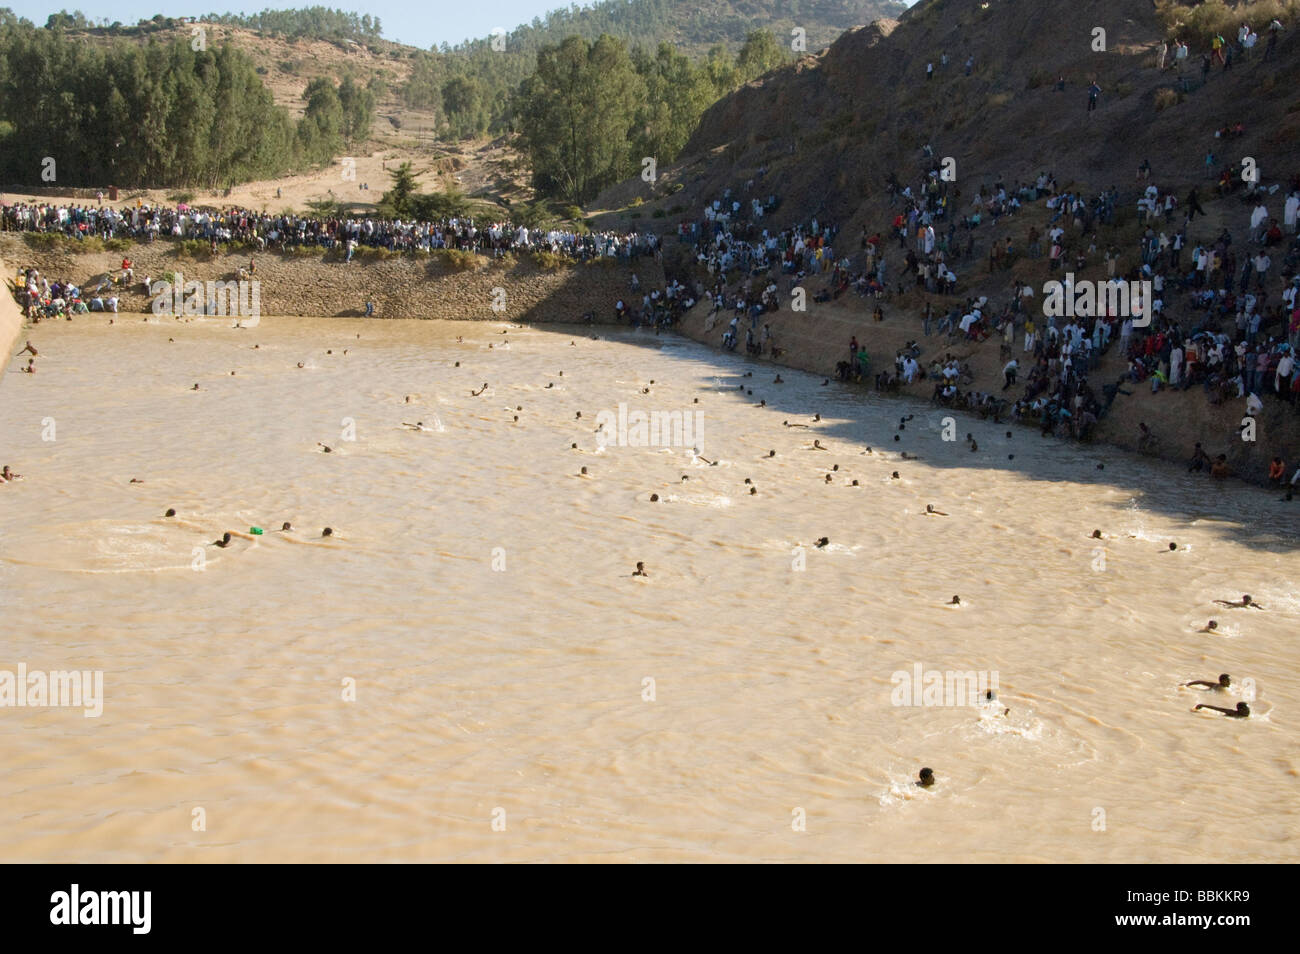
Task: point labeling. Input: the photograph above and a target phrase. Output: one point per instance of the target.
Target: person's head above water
(286, 525)
(171, 512)
(925, 778)
(327, 532)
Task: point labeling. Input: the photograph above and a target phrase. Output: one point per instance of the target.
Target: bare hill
(830, 129)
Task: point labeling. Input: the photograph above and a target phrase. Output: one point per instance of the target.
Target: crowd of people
(146, 223)
(41, 298)
(1223, 314)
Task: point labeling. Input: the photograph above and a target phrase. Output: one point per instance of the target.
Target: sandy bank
(11, 318)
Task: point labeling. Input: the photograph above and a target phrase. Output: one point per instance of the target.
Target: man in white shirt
(1262, 263)
(1258, 219)
(1282, 379)
(1009, 373)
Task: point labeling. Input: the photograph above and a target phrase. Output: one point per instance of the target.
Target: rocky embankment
(459, 287)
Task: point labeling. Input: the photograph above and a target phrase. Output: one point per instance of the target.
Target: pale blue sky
(419, 24)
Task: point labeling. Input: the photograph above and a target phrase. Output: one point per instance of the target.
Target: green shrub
(193, 248)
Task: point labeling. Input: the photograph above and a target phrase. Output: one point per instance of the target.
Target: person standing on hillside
(929, 71)
(1258, 220)
(1262, 263)
(1274, 29)
(1216, 48)
(970, 64)
(1193, 205)
(1093, 92)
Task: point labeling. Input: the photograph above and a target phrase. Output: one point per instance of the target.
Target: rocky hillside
(830, 129)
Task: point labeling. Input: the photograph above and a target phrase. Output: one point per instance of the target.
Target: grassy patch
(550, 261)
(456, 260)
(1167, 97)
(1202, 22)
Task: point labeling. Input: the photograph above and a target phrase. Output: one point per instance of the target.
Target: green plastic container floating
(255, 531)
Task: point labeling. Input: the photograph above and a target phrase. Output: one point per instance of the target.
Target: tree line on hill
(318, 23)
(588, 106)
(160, 114)
(471, 84)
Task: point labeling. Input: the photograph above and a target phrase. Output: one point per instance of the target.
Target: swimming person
(1224, 682)
(925, 778)
(1211, 627)
(1244, 602)
(640, 570)
(931, 512)
(1241, 712)
(223, 542)
(992, 703)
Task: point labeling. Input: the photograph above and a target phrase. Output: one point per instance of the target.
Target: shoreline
(11, 317)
